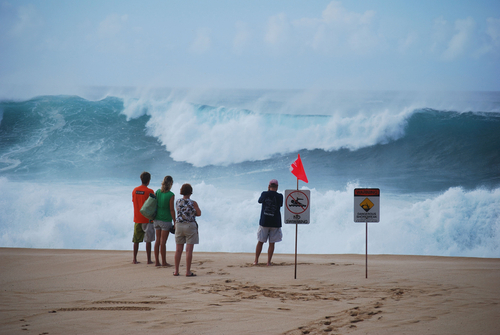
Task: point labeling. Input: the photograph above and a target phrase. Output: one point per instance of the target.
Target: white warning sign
(366, 205)
(297, 206)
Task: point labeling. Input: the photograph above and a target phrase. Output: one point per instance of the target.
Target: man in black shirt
(270, 221)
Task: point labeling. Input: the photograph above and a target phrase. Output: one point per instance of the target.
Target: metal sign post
(366, 250)
(297, 208)
(366, 209)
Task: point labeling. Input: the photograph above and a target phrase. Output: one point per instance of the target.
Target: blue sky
(342, 45)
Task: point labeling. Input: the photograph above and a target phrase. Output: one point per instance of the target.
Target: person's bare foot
(158, 264)
(135, 262)
(269, 264)
(166, 265)
(150, 262)
(255, 263)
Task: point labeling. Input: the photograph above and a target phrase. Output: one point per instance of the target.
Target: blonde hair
(166, 185)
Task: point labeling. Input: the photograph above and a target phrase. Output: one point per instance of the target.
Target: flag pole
(297, 169)
(296, 235)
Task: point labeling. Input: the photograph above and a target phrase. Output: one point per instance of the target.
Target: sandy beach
(46, 291)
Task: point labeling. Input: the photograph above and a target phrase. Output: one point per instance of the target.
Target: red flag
(298, 170)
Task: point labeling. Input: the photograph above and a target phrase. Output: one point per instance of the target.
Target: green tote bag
(150, 206)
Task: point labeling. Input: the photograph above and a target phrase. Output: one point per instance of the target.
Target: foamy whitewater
(68, 164)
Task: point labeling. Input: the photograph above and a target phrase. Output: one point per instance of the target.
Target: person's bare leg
(157, 247)
(163, 247)
(189, 258)
(136, 251)
(270, 252)
(148, 252)
(178, 254)
(258, 250)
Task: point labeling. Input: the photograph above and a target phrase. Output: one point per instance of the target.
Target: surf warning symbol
(297, 206)
(366, 205)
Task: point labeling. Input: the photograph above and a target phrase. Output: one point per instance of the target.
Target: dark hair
(186, 189)
(166, 185)
(145, 177)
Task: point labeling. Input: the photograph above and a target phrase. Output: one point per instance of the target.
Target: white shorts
(149, 232)
(274, 234)
(162, 225)
(186, 233)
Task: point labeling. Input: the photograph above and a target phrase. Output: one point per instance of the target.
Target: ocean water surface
(68, 164)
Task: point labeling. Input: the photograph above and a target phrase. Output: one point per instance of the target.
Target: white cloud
(202, 41)
(460, 40)
(277, 29)
(27, 21)
(340, 28)
(111, 25)
(336, 14)
(440, 35)
(336, 31)
(407, 42)
(491, 41)
(493, 30)
(241, 37)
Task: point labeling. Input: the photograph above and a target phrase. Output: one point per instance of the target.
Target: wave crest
(203, 135)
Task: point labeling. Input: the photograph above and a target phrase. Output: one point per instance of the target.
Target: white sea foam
(453, 223)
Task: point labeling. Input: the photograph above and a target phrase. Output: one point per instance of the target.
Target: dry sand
(101, 292)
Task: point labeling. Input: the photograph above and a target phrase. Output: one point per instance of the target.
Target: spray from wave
(454, 223)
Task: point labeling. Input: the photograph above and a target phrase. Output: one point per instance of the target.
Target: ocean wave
(437, 169)
(424, 149)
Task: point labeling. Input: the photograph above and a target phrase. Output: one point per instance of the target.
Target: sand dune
(101, 292)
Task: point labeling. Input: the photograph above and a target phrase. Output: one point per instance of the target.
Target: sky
(424, 45)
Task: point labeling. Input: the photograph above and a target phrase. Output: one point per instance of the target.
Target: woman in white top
(186, 228)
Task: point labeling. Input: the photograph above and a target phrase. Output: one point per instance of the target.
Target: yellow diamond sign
(366, 204)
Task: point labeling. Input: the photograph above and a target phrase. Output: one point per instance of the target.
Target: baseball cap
(273, 182)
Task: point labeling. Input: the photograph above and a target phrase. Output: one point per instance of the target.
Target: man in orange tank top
(139, 196)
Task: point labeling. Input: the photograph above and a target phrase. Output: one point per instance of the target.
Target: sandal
(191, 275)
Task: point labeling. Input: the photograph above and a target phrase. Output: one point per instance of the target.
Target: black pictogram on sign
(297, 202)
